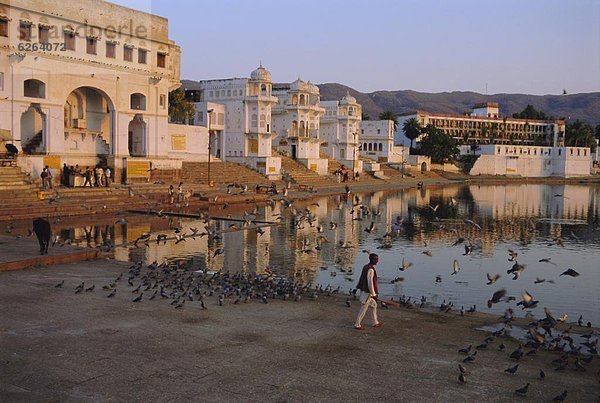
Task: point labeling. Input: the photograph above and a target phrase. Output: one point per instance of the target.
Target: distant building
(532, 161)
(75, 89)
(484, 125)
(340, 131)
(296, 123)
(377, 142)
(240, 121)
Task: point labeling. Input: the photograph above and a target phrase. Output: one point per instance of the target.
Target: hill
(585, 107)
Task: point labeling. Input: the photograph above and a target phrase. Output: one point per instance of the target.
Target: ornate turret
(260, 74)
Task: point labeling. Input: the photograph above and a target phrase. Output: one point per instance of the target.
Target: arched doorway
(137, 136)
(423, 167)
(33, 130)
(89, 122)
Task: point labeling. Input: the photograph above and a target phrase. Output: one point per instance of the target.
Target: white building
(532, 161)
(340, 131)
(485, 126)
(296, 123)
(240, 122)
(87, 82)
(377, 142)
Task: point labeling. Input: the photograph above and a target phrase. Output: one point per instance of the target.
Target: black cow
(43, 232)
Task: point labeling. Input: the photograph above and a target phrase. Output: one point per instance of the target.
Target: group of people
(93, 176)
(179, 194)
(343, 176)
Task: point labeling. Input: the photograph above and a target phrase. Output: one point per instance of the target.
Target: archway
(33, 130)
(423, 167)
(89, 122)
(137, 137)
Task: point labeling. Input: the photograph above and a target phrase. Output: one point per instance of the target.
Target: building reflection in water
(529, 217)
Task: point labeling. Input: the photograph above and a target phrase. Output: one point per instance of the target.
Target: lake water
(555, 222)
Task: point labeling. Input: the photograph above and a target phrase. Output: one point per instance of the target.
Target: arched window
(263, 121)
(302, 99)
(254, 122)
(294, 128)
(138, 101)
(370, 146)
(302, 128)
(380, 147)
(294, 99)
(263, 89)
(34, 88)
(364, 147)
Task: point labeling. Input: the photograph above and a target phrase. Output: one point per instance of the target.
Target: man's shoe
(378, 325)
(358, 328)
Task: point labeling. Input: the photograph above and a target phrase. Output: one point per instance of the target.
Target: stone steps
(220, 172)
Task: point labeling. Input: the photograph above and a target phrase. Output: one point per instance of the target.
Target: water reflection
(532, 219)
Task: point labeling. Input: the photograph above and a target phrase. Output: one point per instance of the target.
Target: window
(142, 56)
(378, 131)
(25, 31)
(91, 45)
(3, 27)
(254, 120)
(228, 93)
(161, 60)
(128, 53)
(138, 101)
(380, 147)
(70, 40)
(111, 50)
(211, 94)
(1, 81)
(559, 151)
(44, 34)
(163, 102)
(34, 88)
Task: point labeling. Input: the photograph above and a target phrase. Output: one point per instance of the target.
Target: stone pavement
(18, 253)
(62, 346)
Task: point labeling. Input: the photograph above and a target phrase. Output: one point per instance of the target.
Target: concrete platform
(18, 253)
(62, 346)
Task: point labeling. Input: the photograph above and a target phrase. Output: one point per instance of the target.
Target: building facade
(87, 83)
(377, 142)
(485, 126)
(240, 119)
(296, 123)
(340, 131)
(532, 161)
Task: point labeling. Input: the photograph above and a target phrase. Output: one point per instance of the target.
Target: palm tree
(412, 129)
(389, 115)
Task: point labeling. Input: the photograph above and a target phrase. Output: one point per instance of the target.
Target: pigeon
(518, 353)
(542, 374)
(138, 298)
(523, 391)
(497, 297)
(455, 267)
(569, 272)
(512, 370)
(561, 397)
(59, 285)
(462, 369)
(462, 379)
(470, 357)
(492, 279)
(112, 293)
(218, 252)
(405, 265)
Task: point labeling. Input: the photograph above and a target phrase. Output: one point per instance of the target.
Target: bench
(305, 188)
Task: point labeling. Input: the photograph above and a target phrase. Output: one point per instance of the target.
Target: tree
(412, 129)
(180, 109)
(531, 113)
(580, 134)
(598, 132)
(438, 145)
(389, 115)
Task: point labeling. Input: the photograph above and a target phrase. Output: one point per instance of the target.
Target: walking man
(48, 177)
(368, 292)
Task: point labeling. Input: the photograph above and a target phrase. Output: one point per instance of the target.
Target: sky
(503, 46)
